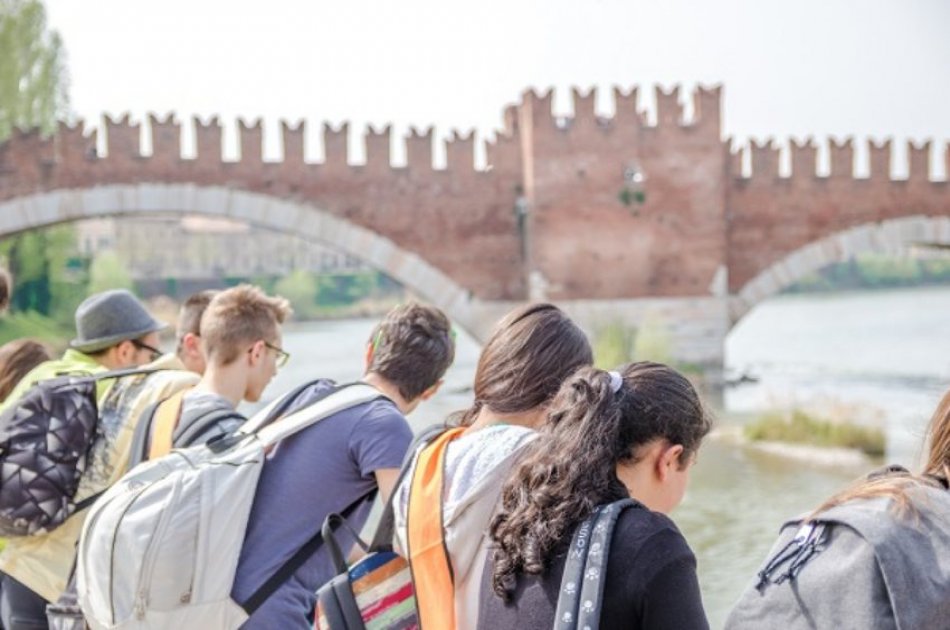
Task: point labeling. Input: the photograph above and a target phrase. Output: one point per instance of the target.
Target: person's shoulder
(638, 526)
(171, 380)
(492, 445)
(379, 413)
(310, 394)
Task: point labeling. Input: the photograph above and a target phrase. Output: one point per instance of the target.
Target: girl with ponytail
(608, 436)
(530, 353)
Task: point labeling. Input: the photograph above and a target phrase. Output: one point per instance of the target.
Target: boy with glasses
(241, 337)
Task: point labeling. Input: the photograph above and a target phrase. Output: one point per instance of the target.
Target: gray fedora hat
(111, 317)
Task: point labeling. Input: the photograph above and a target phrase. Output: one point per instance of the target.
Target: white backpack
(160, 548)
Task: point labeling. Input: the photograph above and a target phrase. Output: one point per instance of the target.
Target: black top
(651, 583)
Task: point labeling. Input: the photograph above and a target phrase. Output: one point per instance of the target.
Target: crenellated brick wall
(582, 208)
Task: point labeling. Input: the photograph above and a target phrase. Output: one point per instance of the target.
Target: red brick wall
(699, 215)
(772, 216)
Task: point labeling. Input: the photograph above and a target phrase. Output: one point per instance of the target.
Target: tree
(300, 289)
(48, 275)
(33, 76)
(107, 272)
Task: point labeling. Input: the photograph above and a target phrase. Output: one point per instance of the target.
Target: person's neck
(227, 381)
(530, 419)
(389, 389)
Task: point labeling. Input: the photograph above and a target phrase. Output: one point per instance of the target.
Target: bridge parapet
(765, 159)
(586, 126)
(31, 162)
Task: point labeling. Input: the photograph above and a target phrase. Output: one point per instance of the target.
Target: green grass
(613, 345)
(799, 427)
(35, 326)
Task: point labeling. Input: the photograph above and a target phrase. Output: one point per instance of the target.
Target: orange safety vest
(432, 577)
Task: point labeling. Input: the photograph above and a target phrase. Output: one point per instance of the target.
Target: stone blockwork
(613, 217)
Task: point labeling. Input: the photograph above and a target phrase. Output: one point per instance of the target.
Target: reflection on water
(880, 355)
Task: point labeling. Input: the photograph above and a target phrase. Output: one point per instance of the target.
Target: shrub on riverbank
(799, 427)
(35, 326)
(613, 345)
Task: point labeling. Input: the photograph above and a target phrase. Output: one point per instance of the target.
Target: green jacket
(71, 361)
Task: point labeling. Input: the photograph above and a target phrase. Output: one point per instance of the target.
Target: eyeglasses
(282, 355)
(155, 353)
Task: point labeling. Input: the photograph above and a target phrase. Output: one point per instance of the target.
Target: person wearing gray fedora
(113, 331)
(106, 319)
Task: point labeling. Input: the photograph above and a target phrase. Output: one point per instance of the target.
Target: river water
(878, 357)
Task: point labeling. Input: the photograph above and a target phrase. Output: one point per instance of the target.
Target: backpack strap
(133, 371)
(340, 399)
(429, 563)
(585, 569)
(383, 537)
(274, 582)
(595, 567)
(278, 407)
(164, 421)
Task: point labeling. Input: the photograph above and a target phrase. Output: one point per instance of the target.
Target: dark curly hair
(571, 468)
(530, 353)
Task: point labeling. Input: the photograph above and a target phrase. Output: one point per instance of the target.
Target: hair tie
(616, 381)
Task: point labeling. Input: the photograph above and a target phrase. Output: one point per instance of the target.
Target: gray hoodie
(476, 466)
(872, 569)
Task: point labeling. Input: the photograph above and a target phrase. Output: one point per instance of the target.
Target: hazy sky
(877, 68)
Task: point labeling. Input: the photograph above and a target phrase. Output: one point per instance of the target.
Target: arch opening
(892, 238)
(257, 210)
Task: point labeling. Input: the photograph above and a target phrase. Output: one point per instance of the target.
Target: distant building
(207, 250)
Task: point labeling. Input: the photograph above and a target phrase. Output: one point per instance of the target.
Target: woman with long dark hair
(530, 353)
(608, 436)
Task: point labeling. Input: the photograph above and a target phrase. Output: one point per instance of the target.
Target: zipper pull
(141, 602)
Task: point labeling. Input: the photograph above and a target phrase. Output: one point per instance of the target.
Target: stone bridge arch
(891, 237)
(299, 218)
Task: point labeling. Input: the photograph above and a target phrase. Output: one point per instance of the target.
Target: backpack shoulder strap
(164, 421)
(429, 563)
(100, 376)
(596, 563)
(252, 603)
(594, 532)
(340, 399)
(279, 406)
(383, 537)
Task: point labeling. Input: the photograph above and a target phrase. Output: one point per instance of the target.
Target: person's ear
(432, 391)
(668, 460)
(256, 352)
(192, 343)
(125, 352)
(368, 356)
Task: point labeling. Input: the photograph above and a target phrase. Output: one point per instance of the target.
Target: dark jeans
(21, 608)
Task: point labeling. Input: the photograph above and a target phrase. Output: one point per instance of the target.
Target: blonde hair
(240, 316)
(895, 484)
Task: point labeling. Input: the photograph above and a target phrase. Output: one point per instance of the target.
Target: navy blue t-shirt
(319, 470)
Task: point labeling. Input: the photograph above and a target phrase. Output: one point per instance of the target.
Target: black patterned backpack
(45, 439)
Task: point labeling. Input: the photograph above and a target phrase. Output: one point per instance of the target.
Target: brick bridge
(614, 219)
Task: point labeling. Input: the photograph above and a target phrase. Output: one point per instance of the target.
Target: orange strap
(163, 427)
(432, 576)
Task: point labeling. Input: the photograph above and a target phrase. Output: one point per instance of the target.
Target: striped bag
(375, 593)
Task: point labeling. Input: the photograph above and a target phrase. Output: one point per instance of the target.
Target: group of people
(547, 442)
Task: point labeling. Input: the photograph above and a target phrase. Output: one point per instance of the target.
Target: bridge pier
(687, 332)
